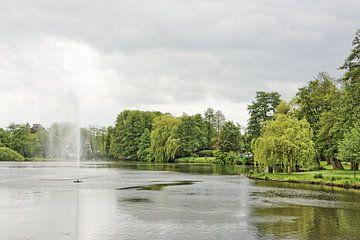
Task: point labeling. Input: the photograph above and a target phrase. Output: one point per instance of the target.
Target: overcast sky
(98, 58)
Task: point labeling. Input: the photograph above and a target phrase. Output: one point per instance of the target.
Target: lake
(166, 201)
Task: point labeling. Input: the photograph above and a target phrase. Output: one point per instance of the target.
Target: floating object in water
(77, 181)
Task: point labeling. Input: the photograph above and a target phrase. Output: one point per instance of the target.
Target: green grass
(35, 159)
(195, 160)
(339, 178)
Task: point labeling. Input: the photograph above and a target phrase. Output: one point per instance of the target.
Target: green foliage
(283, 108)
(318, 175)
(40, 143)
(144, 153)
(109, 133)
(315, 103)
(191, 135)
(205, 153)
(349, 147)
(261, 110)
(228, 158)
(7, 154)
(284, 141)
(129, 127)
(230, 137)
(164, 141)
(20, 139)
(350, 108)
(196, 160)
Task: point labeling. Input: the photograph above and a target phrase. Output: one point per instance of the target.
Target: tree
(209, 118)
(219, 122)
(144, 153)
(108, 135)
(40, 143)
(260, 111)
(349, 147)
(129, 127)
(350, 108)
(20, 139)
(314, 102)
(284, 141)
(191, 135)
(4, 138)
(164, 142)
(230, 137)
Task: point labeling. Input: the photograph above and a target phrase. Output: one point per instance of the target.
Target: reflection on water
(40, 201)
(215, 169)
(158, 186)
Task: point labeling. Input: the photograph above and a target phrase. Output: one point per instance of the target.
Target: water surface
(166, 201)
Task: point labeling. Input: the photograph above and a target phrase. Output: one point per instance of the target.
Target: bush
(318, 175)
(7, 154)
(227, 157)
(205, 153)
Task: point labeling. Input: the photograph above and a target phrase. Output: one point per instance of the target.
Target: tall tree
(191, 135)
(285, 141)
(314, 102)
(21, 139)
(230, 137)
(164, 141)
(218, 123)
(209, 118)
(129, 127)
(144, 153)
(261, 110)
(351, 84)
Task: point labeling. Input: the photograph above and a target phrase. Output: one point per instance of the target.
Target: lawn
(339, 178)
(195, 160)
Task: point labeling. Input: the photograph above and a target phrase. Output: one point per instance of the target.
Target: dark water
(138, 201)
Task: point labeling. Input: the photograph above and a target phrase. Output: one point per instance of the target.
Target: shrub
(7, 154)
(227, 157)
(318, 175)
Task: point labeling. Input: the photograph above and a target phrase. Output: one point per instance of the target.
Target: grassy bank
(195, 160)
(339, 178)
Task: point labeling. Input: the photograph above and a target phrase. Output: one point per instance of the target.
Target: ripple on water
(299, 197)
(136, 200)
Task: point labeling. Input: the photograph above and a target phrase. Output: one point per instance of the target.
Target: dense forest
(320, 123)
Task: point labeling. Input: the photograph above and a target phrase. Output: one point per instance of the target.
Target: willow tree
(164, 141)
(284, 141)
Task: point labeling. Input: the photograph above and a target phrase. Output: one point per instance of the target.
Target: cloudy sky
(98, 58)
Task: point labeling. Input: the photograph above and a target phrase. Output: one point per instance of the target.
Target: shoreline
(292, 179)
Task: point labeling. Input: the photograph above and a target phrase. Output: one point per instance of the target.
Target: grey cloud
(120, 54)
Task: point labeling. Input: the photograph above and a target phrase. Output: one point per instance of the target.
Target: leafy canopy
(284, 141)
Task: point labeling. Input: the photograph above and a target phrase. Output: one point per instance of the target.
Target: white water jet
(65, 137)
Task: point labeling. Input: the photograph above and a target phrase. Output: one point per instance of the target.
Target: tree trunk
(289, 167)
(336, 164)
(354, 166)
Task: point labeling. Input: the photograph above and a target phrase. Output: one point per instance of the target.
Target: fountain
(64, 144)
(65, 137)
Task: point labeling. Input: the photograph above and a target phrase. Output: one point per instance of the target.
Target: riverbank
(336, 178)
(195, 160)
